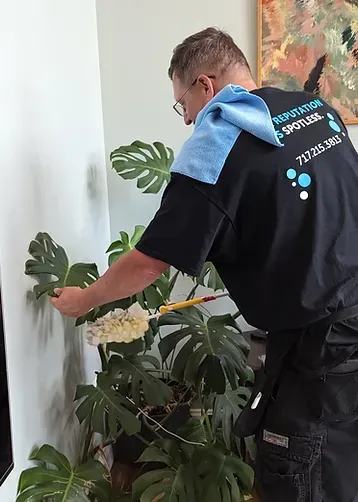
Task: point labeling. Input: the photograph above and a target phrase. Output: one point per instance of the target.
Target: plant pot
(128, 449)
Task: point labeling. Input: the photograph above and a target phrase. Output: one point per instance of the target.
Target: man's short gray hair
(209, 51)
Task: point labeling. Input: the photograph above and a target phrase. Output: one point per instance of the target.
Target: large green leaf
(210, 278)
(148, 164)
(165, 451)
(50, 260)
(175, 483)
(194, 430)
(124, 244)
(104, 405)
(227, 408)
(57, 480)
(212, 350)
(209, 473)
(132, 372)
(224, 476)
(169, 485)
(251, 447)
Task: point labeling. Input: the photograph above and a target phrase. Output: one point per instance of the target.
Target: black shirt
(280, 225)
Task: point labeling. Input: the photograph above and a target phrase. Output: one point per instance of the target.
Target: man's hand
(71, 301)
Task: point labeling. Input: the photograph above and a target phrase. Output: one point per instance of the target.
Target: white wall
(136, 40)
(52, 179)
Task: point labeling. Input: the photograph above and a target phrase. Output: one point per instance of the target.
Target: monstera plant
(167, 401)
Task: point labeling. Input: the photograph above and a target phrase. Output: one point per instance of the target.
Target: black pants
(307, 434)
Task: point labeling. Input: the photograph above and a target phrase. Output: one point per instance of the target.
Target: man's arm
(181, 234)
(129, 275)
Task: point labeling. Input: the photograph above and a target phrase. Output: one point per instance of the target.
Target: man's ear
(207, 85)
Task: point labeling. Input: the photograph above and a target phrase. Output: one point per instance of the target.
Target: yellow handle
(181, 305)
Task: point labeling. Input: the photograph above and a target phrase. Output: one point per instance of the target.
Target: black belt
(340, 315)
(346, 367)
(249, 420)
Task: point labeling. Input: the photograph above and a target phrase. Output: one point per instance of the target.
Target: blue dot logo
(304, 180)
(332, 123)
(291, 174)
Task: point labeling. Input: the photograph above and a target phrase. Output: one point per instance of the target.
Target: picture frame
(298, 49)
(6, 451)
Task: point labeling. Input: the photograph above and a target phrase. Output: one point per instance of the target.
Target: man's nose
(187, 120)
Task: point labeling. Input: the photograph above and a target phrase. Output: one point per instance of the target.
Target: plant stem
(103, 356)
(104, 459)
(152, 428)
(208, 425)
(173, 355)
(192, 292)
(173, 281)
(206, 417)
(201, 402)
(139, 436)
(175, 407)
(165, 364)
(159, 371)
(205, 311)
(88, 439)
(106, 443)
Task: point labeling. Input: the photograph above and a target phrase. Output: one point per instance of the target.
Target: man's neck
(238, 78)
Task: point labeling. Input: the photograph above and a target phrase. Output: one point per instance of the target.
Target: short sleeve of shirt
(184, 229)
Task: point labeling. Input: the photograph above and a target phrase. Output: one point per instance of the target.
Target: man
(266, 188)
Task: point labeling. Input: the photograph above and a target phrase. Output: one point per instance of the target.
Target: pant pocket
(275, 487)
(335, 397)
(288, 468)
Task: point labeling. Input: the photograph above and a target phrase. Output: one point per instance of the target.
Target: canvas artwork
(311, 45)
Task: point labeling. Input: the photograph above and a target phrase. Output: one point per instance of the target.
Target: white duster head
(122, 326)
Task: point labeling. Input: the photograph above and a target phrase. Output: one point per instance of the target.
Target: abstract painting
(311, 45)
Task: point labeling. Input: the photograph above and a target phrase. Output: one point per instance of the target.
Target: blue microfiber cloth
(217, 128)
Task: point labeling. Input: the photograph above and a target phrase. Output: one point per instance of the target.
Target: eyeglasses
(179, 107)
